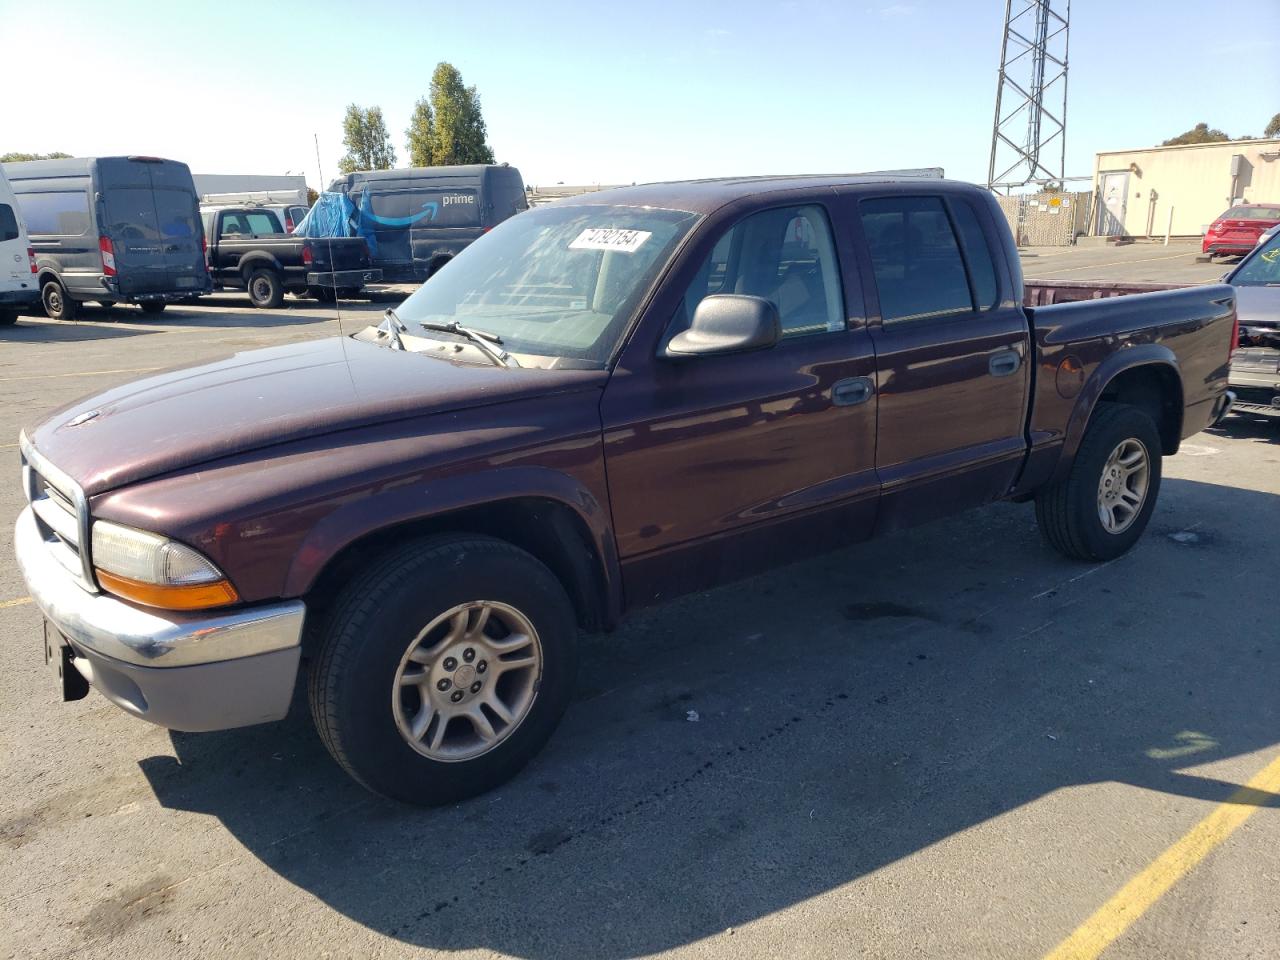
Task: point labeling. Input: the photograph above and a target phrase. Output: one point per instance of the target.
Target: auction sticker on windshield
(610, 238)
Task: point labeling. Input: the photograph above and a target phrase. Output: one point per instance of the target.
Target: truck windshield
(1263, 268)
(558, 281)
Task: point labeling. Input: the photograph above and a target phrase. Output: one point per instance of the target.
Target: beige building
(1135, 190)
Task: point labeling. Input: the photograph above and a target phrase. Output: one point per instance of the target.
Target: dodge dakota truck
(600, 404)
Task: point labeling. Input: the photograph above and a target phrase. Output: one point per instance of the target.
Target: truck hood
(259, 398)
(1258, 306)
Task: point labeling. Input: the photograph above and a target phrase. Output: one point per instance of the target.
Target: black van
(112, 230)
(416, 219)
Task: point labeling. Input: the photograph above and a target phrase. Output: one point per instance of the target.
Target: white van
(19, 291)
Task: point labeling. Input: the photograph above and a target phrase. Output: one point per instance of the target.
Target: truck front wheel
(444, 668)
(266, 292)
(1100, 509)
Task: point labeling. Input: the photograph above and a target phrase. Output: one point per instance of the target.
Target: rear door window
(919, 269)
(131, 214)
(56, 213)
(176, 210)
(8, 223)
(977, 254)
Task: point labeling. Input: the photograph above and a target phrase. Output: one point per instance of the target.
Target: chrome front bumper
(204, 670)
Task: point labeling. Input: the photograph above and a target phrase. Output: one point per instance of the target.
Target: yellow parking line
(1117, 263)
(14, 603)
(1115, 916)
(86, 373)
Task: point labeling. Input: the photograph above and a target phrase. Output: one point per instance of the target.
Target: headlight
(156, 571)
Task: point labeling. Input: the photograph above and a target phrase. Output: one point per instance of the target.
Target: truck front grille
(61, 513)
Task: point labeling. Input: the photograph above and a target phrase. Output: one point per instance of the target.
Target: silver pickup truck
(1255, 367)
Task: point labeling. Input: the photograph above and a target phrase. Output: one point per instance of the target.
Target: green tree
(1200, 133)
(20, 157)
(419, 134)
(364, 134)
(1273, 128)
(458, 133)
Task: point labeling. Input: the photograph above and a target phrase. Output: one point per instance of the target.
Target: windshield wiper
(481, 338)
(392, 327)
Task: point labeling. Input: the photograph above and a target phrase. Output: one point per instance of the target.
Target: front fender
(395, 505)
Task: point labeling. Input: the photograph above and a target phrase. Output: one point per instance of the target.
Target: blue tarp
(331, 216)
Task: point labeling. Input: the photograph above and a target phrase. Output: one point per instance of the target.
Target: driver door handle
(854, 390)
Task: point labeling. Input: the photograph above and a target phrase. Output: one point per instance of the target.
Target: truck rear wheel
(1100, 509)
(266, 292)
(57, 305)
(444, 668)
(153, 308)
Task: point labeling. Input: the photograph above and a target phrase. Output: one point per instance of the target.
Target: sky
(579, 92)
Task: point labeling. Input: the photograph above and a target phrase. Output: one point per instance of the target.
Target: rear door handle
(855, 390)
(1004, 363)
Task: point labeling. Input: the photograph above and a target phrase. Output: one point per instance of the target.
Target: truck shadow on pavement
(1262, 429)
(733, 754)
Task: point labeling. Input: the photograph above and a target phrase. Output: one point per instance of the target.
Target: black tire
(8, 318)
(348, 293)
(1068, 511)
(153, 308)
(373, 624)
(266, 291)
(57, 305)
(323, 294)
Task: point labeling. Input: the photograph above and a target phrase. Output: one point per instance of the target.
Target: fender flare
(392, 506)
(1130, 358)
(258, 258)
(45, 273)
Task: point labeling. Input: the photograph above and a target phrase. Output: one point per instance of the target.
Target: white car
(19, 291)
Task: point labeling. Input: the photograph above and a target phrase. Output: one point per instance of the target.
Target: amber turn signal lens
(189, 597)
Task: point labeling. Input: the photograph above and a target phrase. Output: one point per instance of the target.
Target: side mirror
(727, 323)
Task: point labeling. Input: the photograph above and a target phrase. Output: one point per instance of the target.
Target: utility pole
(1029, 135)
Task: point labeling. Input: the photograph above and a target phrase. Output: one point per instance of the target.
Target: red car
(1236, 232)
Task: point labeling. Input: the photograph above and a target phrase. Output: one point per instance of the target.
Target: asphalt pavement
(949, 743)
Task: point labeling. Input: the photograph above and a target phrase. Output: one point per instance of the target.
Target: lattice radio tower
(1029, 137)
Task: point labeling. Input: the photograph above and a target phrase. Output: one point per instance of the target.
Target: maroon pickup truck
(601, 404)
